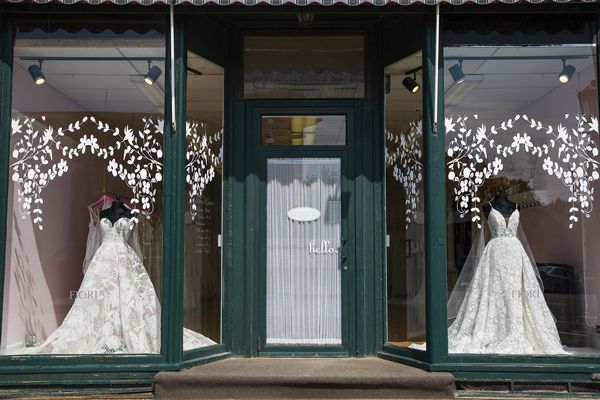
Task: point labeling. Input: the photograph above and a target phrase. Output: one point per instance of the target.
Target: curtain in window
(303, 260)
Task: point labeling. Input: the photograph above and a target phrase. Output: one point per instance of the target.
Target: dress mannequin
(116, 211)
(501, 203)
(497, 305)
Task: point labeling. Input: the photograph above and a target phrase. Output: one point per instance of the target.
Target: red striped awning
(298, 2)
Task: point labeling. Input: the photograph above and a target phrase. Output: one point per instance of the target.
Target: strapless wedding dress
(504, 310)
(116, 309)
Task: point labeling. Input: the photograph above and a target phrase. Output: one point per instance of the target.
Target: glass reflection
(404, 207)
(304, 130)
(286, 67)
(84, 244)
(522, 159)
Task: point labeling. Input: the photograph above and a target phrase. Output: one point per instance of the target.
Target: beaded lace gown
(504, 310)
(119, 311)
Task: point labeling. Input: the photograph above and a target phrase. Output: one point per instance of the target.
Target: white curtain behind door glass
(303, 260)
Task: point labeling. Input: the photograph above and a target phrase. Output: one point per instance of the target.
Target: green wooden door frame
(240, 202)
(261, 154)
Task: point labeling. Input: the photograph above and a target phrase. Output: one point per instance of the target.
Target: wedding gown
(504, 310)
(116, 309)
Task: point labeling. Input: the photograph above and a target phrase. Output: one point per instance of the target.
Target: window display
(204, 179)
(87, 131)
(503, 309)
(404, 203)
(522, 157)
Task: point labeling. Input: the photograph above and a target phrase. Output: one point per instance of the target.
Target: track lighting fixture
(567, 72)
(152, 74)
(36, 73)
(411, 83)
(457, 73)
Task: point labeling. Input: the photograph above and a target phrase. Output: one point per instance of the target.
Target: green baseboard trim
(535, 376)
(73, 366)
(59, 393)
(299, 353)
(460, 395)
(491, 372)
(521, 369)
(62, 384)
(387, 355)
(201, 359)
(83, 379)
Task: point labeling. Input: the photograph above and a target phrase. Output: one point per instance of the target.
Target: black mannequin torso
(502, 204)
(116, 211)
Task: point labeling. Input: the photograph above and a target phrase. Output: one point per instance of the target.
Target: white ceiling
(508, 87)
(501, 88)
(205, 93)
(402, 106)
(110, 86)
(95, 86)
(495, 89)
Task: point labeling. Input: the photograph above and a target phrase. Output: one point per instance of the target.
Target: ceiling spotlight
(152, 74)
(457, 73)
(411, 83)
(566, 73)
(36, 73)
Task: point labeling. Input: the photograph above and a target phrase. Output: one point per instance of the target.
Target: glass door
(304, 267)
(304, 251)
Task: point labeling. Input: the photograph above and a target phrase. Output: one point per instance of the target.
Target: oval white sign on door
(304, 214)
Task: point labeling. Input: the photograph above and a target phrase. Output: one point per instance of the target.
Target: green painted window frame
(135, 370)
(120, 372)
(492, 368)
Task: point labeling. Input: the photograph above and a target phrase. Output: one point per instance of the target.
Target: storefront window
(204, 180)
(288, 67)
(84, 244)
(404, 203)
(303, 130)
(522, 167)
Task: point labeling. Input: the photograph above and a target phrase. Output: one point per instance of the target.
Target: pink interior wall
(44, 266)
(547, 227)
(549, 235)
(591, 263)
(28, 303)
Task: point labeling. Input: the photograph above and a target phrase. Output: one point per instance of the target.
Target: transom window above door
(303, 130)
(309, 67)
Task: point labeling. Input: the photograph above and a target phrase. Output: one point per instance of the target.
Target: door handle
(343, 256)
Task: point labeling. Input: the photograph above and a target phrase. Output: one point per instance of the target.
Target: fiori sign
(323, 248)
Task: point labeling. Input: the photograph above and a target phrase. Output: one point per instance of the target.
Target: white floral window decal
(404, 151)
(40, 155)
(475, 153)
(204, 153)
